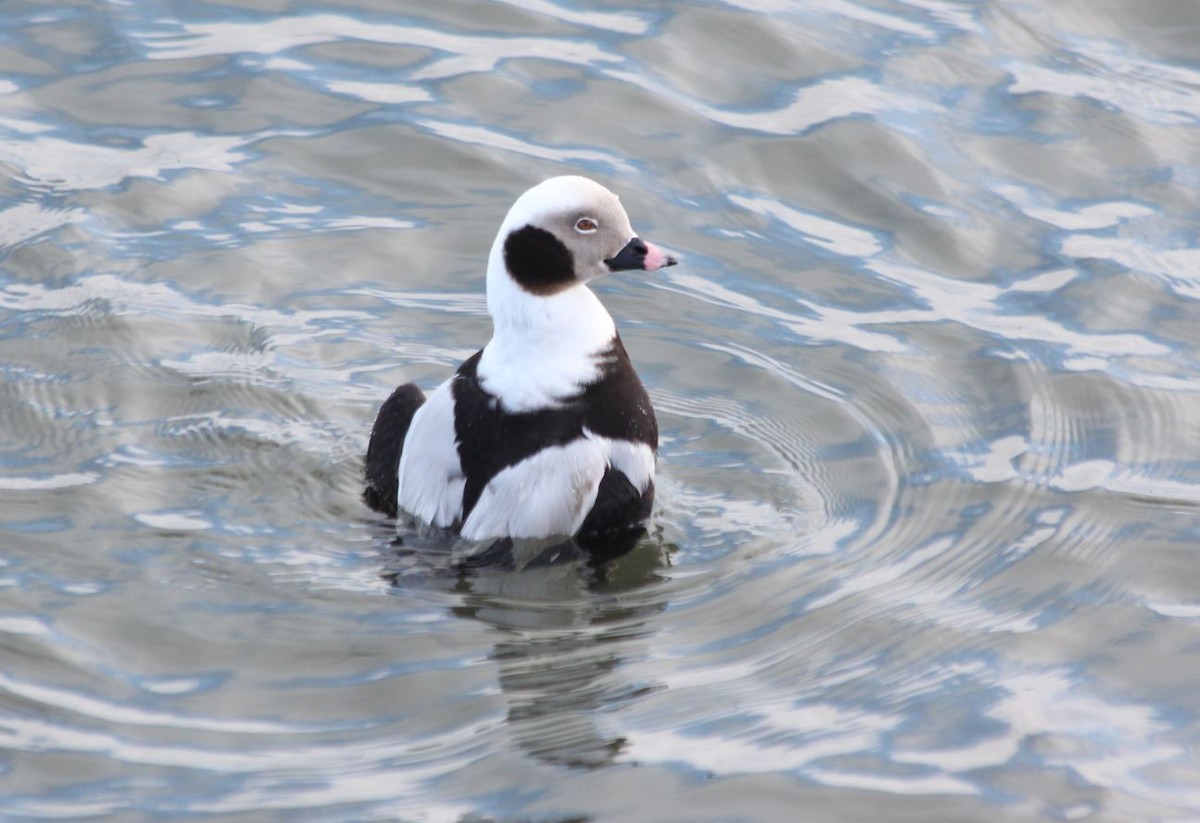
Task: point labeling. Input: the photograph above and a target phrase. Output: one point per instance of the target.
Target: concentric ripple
(928, 491)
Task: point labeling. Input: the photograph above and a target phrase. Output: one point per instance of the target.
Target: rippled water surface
(928, 378)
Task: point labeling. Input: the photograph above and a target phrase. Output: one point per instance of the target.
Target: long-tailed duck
(547, 430)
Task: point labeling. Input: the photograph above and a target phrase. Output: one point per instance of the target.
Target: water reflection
(564, 616)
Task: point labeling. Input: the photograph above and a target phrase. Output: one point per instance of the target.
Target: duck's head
(567, 230)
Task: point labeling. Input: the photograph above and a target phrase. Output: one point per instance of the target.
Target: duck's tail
(386, 445)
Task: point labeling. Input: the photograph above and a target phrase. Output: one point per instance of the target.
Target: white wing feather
(430, 476)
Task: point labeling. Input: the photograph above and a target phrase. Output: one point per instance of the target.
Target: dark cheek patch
(539, 261)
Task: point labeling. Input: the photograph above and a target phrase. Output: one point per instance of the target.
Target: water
(925, 547)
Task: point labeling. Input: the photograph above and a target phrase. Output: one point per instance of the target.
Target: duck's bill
(638, 254)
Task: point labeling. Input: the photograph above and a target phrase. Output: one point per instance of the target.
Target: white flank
(430, 475)
(547, 494)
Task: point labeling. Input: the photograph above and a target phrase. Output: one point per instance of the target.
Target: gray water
(927, 376)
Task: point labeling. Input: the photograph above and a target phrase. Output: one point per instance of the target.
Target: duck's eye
(586, 225)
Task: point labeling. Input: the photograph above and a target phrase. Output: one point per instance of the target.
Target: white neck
(543, 349)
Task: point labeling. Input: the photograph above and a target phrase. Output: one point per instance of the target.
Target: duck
(547, 431)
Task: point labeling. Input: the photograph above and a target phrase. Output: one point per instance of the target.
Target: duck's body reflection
(561, 611)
